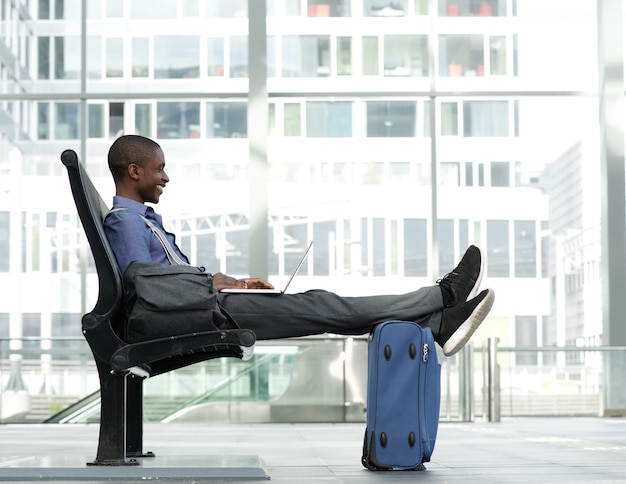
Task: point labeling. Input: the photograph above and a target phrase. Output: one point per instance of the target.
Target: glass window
(43, 121)
(115, 57)
(306, 56)
(344, 56)
(526, 335)
(114, 8)
(94, 57)
(293, 119)
(67, 9)
(227, 120)
(497, 55)
(67, 57)
(178, 120)
(5, 241)
(66, 123)
(497, 248)
(485, 118)
(215, 57)
(328, 8)
(384, 8)
(415, 248)
(449, 119)
(329, 119)
(95, 121)
(449, 175)
(143, 119)
(141, 57)
(446, 237)
(239, 56)
(461, 55)
(231, 8)
(370, 56)
(43, 57)
(525, 249)
(154, 9)
(500, 174)
(176, 56)
(190, 8)
(116, 119)
(406, 55)
(43, 9)
(31, 327)
(391, 119)
(472, 8)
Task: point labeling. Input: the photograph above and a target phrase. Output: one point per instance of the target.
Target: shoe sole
(462, 335)
(479, 279)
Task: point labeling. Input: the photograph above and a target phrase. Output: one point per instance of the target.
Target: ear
(134, 171)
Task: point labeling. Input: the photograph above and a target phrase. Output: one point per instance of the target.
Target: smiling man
(451, 308)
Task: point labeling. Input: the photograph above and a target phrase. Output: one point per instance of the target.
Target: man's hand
(222, 281)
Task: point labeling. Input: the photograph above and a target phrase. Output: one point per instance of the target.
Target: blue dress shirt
(131, 238)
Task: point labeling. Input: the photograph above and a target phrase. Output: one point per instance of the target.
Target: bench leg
(134, 418)
(112, 440)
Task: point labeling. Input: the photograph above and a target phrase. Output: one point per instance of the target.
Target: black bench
(121, 366)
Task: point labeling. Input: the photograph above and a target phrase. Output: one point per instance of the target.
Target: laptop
(271, 291)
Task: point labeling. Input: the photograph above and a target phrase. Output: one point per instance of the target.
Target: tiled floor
(546, 450)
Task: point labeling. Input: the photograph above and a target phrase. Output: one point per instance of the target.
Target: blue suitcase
(403, 397)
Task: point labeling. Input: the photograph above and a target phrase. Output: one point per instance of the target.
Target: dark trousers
(317, 312)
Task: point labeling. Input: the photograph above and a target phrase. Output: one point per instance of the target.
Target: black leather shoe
(463, 282)
(459, 322)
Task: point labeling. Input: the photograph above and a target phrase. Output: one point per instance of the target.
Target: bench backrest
(92, 210)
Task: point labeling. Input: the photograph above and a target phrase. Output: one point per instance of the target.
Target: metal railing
(315, 379)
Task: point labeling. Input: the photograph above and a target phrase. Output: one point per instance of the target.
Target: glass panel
(329, 119)
(447, 239)
(231, 8)
(96, 120)
(239, 56)
(114, 8)
(449, 119)
(5, 241)
(143, 119)
(215, 57)
(115, 57)
(461, 55)
(66, 123)
(43, 57)
(94, 57)
(176, 56)
(485, 118)
(497, 248)
(391, 119)
(370, 56)
(43, 9)
(415, 247)
(67, 58)
(525, 249)
(141, 57)
(500, 174)
(344, 56)
(328, 8)
(406, 55)
(306, 56)
(154, 9)
(178, 120)
(497, 55)
(116, 119)
(293, 119)
(384, 8)
(43, 120)
(227, 120)
(473, 8)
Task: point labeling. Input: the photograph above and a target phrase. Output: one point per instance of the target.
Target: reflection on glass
(94, 57)
(143, 119)
(328, 119)
(95, 121)
(370, 56)
(239, 56)
(449, 119)
(43, 57)
(406, 55)
(66, 120)
(115, 57)
(344, 56)
(497, 247)
(176, 56)
(525, 248)
(141, 57)
(485, 118)
(43, 120)
(497, 55)
(472, 8)
(306, 56)
(461, 55)
(178, 120)
(226, 120)
(384, 8)
(391, 119)
(215, 57)
(116, 119)
(328, 8)
(293, 119)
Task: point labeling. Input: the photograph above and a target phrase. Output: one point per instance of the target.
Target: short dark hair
(129, 149)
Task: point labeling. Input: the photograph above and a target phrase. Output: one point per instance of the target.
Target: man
(451, 308)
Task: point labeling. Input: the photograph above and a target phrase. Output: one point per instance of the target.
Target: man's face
(152, 178)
